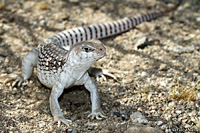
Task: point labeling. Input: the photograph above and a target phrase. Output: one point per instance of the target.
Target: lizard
(65, 59)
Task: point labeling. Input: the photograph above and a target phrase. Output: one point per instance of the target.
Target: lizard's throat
(80, 64)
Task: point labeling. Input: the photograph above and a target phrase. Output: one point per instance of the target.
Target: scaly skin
(60, 69)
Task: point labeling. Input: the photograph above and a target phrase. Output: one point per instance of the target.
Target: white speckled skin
(59, 69)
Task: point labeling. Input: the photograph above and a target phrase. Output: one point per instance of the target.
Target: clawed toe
(108, 73)
(98, 116)
(98, 72)
(60, 119)
(17, 81)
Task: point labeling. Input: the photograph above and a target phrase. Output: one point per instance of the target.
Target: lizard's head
(88, 51)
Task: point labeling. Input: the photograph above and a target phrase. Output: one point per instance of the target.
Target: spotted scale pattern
(51, 59)
(75, 35)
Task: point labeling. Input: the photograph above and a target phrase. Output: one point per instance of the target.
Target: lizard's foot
(97, 115)
(98, 72)
(108, 73)
(17, 81)
(60, 119)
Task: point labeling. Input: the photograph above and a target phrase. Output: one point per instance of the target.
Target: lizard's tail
(154, 15)
(72, 36)
(175, 7)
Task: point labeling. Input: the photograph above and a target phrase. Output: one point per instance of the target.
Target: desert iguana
(64, 59)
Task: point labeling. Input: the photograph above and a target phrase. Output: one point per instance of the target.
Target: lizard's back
(51, 58)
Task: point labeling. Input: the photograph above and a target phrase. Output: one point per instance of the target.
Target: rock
(163, 67)
(3, 55)
(31, 81)
(117, 114)
(163, 127)
(14, 91)
(91, 127)
(159, 123)
(71, 130)
(80, 123)
(184, 121)
(137, 117)
(9, 70)
(172, 104)
(144, 74)
(41, 124)
(181, 49)
(116, 103)
(143, 129)
(153, 107)
(125, 117)
(198, 19)
(43, 22)
(61, 16)
(198, 96)
(141, 42)
(74, 1)
(42, 5)
(178, 111)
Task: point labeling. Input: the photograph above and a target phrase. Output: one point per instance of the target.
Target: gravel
(156, 65)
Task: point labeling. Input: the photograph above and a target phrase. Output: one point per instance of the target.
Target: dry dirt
(158, 78)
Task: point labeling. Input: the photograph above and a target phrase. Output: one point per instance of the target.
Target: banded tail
(67, 38)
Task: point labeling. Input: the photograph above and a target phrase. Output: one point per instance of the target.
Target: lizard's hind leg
(28, 64)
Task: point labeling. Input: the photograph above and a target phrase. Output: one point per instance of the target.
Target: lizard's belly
(47, 78)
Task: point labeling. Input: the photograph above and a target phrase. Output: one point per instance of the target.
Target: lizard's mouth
(101, 55)
(104, 54)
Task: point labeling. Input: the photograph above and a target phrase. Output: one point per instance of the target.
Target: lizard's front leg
(95, 99)
(98, 72)
(54, 105)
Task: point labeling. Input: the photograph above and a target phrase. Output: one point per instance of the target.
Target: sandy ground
(158, 78)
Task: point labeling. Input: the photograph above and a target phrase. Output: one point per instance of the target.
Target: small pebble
(91, 127)
(43, 22)
(80, 123)
(2, 55)
(14, 91)
(71, 130)
(41, 125)
(116, 103)
(9, 69)
(124, 117)
(31, 81)
(198, 95)
(163, 67)
(178, 111)
(159, 123)
(144, 74)
(198, 19)
(117, 114)
(155, 115)
(137, 117)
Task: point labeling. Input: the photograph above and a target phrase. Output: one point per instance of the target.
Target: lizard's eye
(87, 49)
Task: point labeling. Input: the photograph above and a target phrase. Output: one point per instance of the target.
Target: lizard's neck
(77, 66)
